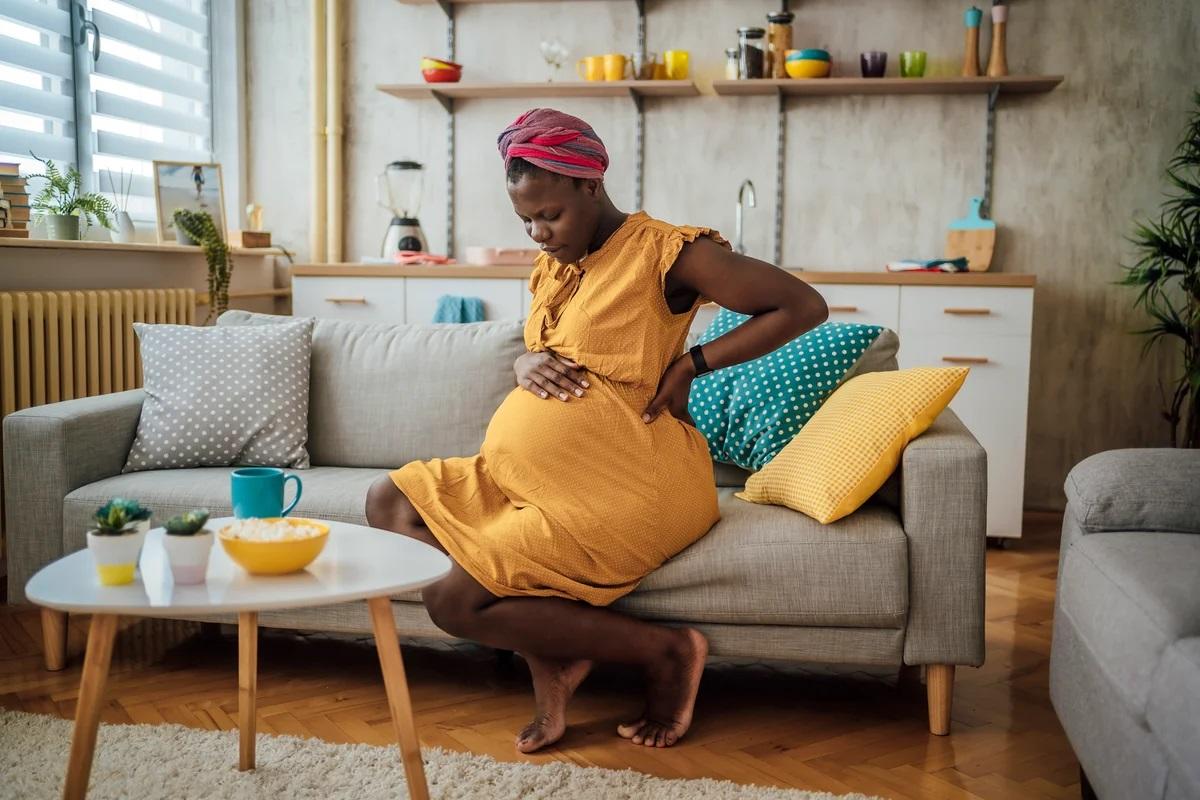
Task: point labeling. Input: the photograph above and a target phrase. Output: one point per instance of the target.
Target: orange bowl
(442, 75)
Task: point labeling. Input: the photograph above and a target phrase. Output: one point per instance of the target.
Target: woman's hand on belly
(546, 373)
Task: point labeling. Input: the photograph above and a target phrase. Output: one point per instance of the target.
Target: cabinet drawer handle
(359, 300)
(843, 309)
(968, 312)
(966, 360)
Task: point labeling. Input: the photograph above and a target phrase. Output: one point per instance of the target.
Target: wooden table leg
(54, 639)
(247, 687)
(91, 698)
(390, 660)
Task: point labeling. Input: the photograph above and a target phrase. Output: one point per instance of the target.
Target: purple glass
(874, 63)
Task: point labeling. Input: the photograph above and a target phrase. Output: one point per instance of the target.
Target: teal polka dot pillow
(750, 411)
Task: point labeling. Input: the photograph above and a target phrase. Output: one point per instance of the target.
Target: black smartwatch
(701, 365)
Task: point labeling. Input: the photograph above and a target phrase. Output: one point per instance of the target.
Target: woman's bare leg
(559, 630)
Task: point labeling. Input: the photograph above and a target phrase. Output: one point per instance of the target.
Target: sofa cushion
(1137, 490)
(1174, 712)
(1131, 596)
(758, 565)
(334, 493)
(385, 394)
(768, 565)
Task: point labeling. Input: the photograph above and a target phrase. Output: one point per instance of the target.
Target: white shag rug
(172, 761)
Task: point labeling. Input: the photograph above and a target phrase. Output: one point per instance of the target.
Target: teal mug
(258, 492)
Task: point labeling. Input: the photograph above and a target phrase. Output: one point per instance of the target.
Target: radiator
(62, 345)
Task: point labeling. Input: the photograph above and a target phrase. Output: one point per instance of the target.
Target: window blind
(150, 90)
(37, 107)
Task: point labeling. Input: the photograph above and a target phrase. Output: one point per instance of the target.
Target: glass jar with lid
(779, 41)
(751, 56)
(732, 69)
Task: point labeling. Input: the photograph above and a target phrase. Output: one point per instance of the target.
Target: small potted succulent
(116, 540)
(188, 544)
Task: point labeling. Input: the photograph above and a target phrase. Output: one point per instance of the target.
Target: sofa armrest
(1136, 490)
(49, 452)
(943, 508)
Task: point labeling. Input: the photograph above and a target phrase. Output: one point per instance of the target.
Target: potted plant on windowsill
(188, 544)
(198, 226)
(63, 206)
(116, 540)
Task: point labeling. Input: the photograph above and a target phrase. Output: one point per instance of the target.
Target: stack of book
(14, 202)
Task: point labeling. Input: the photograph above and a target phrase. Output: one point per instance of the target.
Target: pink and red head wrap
(556, 142)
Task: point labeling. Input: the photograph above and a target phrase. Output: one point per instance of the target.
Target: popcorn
(260, 530)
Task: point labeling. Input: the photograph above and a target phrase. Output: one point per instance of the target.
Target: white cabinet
(353, 298)
(501, 296)
(868, 305)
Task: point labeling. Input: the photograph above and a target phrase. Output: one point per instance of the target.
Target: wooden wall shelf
(1012, 84)
(464, 91)
(471, 2)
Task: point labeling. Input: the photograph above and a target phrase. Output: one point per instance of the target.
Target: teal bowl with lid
(812, 54)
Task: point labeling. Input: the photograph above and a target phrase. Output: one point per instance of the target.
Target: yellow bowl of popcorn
(274, 545)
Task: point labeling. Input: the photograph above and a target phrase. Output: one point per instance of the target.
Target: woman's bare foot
(671, 694)
(554, 682)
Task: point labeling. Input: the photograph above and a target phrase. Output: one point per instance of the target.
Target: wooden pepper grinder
(998, 63)
(973, 18)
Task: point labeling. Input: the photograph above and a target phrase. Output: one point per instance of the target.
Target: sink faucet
(746, 197)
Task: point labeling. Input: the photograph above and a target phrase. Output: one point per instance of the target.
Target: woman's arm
(781, 308)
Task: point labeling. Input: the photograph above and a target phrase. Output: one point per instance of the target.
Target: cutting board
(973, 238)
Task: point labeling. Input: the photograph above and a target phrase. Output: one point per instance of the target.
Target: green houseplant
(199, 226)
(188, 544)
(115, 540)
(1167, 275)
(64, 205)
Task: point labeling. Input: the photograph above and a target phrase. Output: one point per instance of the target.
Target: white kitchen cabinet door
(352, 298)
(954, 311)
(526, 297)
(992, 403)
(501, 296)
(868, 305)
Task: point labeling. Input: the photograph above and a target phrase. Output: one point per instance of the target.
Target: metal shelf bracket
(780, 164)
(989, 151)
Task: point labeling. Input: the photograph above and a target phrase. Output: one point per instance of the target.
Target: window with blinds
(150, 92)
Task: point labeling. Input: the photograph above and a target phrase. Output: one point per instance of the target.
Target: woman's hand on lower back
(547, 373)
(672, 394)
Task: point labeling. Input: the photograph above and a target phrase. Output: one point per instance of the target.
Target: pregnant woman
(591, 473)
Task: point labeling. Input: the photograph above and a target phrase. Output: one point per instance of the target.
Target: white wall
(868, 178)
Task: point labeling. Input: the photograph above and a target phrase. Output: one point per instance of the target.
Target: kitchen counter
(1009, 279)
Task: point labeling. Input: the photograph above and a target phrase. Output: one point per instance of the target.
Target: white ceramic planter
(125, 231)
(188, 556)
(64, 227)
(116, 557)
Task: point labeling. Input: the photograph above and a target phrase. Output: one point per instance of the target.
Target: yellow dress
(582, 499)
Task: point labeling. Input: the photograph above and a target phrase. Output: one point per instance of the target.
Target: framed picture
(196, 187)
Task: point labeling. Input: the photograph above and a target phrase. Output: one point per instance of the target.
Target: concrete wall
(868, 179)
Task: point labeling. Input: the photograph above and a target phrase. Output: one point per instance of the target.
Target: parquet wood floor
(761, 723)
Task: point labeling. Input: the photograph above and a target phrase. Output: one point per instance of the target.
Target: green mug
(912, 64)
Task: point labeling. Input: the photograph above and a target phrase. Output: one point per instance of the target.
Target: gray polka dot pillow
(218, 396)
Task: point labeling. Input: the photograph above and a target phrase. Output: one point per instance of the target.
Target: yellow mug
(590, 68)
(677, 64)
(614, 66)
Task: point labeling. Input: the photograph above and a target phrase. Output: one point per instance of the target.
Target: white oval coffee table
(358, 563)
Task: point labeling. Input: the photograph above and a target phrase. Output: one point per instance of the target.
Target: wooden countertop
(1009, 279)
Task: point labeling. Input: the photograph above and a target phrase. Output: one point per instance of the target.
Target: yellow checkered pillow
(854, 441)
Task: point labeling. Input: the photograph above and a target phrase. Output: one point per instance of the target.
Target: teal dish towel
(452, 308)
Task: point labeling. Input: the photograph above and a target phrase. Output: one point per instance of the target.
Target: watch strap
(701, 365)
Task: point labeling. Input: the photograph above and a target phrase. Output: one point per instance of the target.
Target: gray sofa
(1125, 661)
(900, 582)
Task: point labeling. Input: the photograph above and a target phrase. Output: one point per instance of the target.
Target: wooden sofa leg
(54, 639)
(939, 689)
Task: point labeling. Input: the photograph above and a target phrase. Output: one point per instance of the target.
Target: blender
(399, 191)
